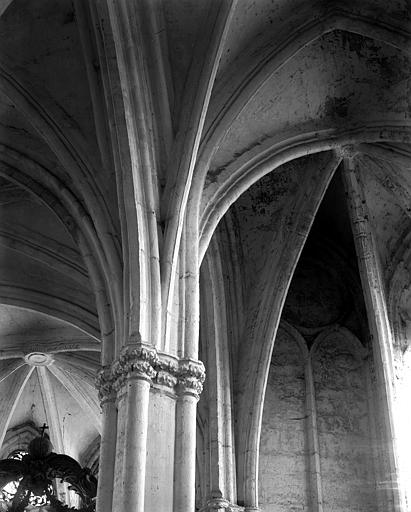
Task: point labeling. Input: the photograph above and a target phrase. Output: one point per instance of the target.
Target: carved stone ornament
(165, 378)
(141, 361)
(135, 361)
(220, 503)
(216, 504)
(104, 384)
(167, 371)
(348, 151)
(191, 376)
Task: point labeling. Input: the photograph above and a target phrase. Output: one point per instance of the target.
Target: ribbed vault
(270, 142)
(47, 376)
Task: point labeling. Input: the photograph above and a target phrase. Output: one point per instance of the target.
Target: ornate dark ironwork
(36, 471)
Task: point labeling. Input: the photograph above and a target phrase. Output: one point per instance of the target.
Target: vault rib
(8, 401)
(50, 407)
(87, 402)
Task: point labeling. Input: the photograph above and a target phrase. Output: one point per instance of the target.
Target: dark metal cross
(43, 429)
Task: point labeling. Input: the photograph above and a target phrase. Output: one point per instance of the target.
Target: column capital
(142, 361)
(167, 371)
(191, 376)
(219, 503)
(104, 384)
(136, 361)
(215, 504)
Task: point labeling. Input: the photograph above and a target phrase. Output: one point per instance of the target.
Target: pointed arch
(48, 120)
(198, 90)
(339, 331)
(264, 316)
(49, 190)
(274, 152)
(226, 107)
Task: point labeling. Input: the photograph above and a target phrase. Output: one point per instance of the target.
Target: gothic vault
(205, 249)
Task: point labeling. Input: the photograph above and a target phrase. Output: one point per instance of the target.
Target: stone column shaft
(134, 461)
(191, 377)
(184, 463)
(107, 457)
(316, 497)
(373, 289)
(132, 374)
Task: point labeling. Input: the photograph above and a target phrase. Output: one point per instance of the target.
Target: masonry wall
(282, 467)
(286, 472)
(347, 473)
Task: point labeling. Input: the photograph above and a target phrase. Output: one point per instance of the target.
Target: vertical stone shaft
(315, 486)
(160, 445)
(107, 456)
(373, 291)
(190, 386)
(220, 426)
(132, 373)
(118, 482)
(184, 463)
(373, 414)
(134, 461)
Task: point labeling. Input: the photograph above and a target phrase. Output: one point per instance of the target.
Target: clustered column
(139, 383)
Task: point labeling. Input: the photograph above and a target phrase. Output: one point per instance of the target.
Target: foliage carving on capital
(104, 384)
(135, 361)
(166, 379)
(167, 372)
(216, 504)
(220, 503)
(191, 376)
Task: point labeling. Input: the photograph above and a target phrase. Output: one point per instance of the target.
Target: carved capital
(104, 384)
(216, 504)
(167, 371)
(135, 352)
(167, 379)
(136, 361)
(191, 376)
(220, 503)
(141, 361)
